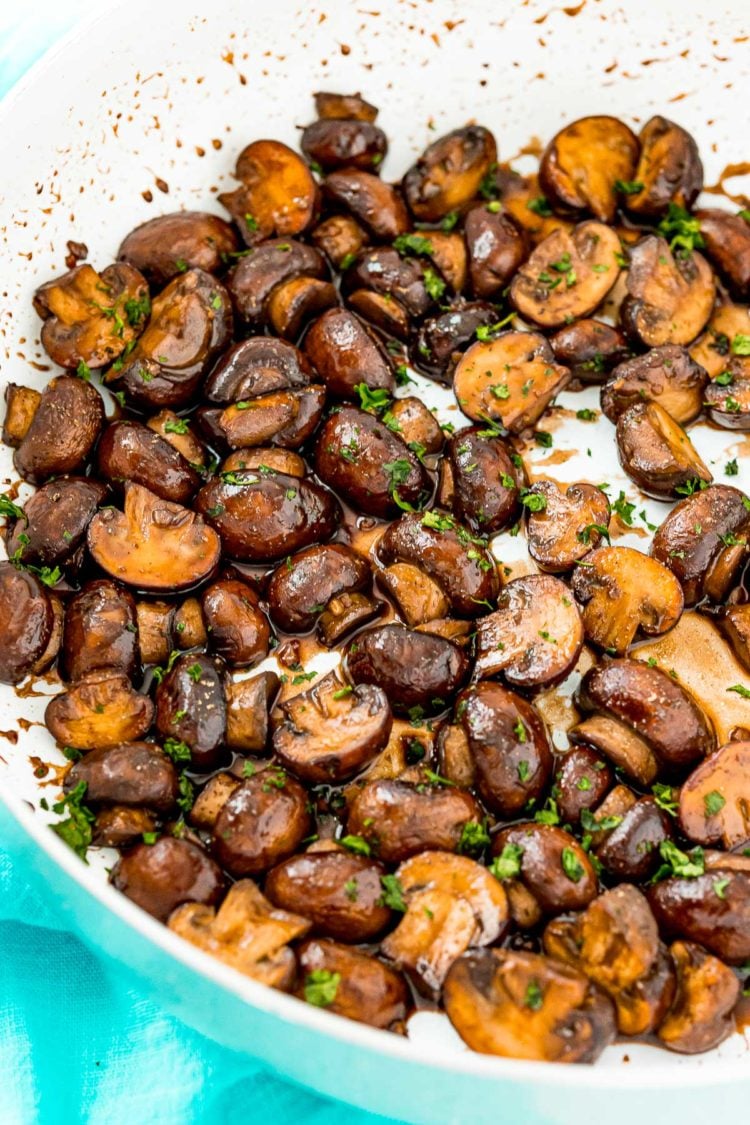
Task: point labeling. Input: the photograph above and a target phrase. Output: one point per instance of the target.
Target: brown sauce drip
(720, 188)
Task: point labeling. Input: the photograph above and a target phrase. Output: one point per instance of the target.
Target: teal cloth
(78, 1044)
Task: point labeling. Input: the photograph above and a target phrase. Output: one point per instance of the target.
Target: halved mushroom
(238, 628)
(286, 417)
(590, 348)
(189, 627)
(440, 339)
(26, 622)
(162, 876)
(177, 432)
(449, 172)
(341, 893)
(702, 1015)
(278, 196)
(666, 375)
(340, 238)
(211, 800)
(191, 708)
(568, 526)
(254, 278)
(656, 453)
(130, 773)
(334, 106)
(715, 799)
(265, 820)
(735, 625)
(247, 932)
(381, 311)
(649, 703)
(257, 366)
(353, 984)
(535, 636)
(190, 323)
(334, 142)
(361, 458)
(417, 597)
(496, 248)
(670, 296)
(726, 238)
(408, 281)
(728, 396)
(669, 168)
(398, 819)
(101, 710)
(263, 458)
(692, 908)
(21, 404)
(331, 731)
(63, 430)
(375, 204)
(584, 164)
(523, 1005)
(418, 672)
(130, 451)
(457, 561)
(452, 904)
(511, 379)
(119, 826)
(172, 244)
(455, 761)
(346, 353)
(703, 541)
(345, 613)
(90, 318)
(550, 863)
(262, 518)
(622, 591)
(484, 481)
(568, 275)
(301, 587)
(100, 631)
(448, 251)
(153, 544)
(509, 753)
(54, 523)
(724, 334)
(296, 302)
(248, 703)
(155, 621)
(417, 425)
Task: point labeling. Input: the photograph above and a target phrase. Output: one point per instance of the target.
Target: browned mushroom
(26, 622)
(278, 196)
(99, 711)
(248, 704)
(483, 481)
(417, 425)
(418, 671)
(726, 239)
(703, 541)
(669, 169)
(550, 863)
(715, 799)
(294, 303)
(63, 430)
(120, 826)
(496, 248)
(712, 909)
(262, 458)
(405, 281)
(131, 773)
(340, 238)
(735, 625)
(568, 275)
(172, 244)
(449, 173)
(510, 379)
(264, 821)
(238, 627)
(301, 587)
(523, 1005)
(153, 544)
(666, 375)
(21, 404)
(397, 819)
(160, 877)
(346, 353)
(656, 453)
(449, 252)
(100, 631)
(257, 366)
(345, 613)
(568, 526)
(352, 984)
(452, 904)
(584, 165)
(670, 296)
(335, 142)
(381, 311)
(582, 780)
(590, 348)
(725, 332)
(417, 597)
(246, 932)
(254, 278)
(702, 1015)
(130, 451)
(440, 339)
(191, 708)
(622, 591)
(728, 396)
(53, 526)
(630, 850)
(89, 318)
(375, 204)
(354, 106)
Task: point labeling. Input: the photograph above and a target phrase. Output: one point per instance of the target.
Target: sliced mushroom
(63, 431)
(131, 773)
(340, 143)
(623, 591)
(54, 523)
(154, 630)
(534, 638)
(715, 799)
(101, 631)
(712, 909)
(162, 876)
(340, 238)
(373, 203)
(254, 278)
(523, 1005)
(190, 323)
(176, 431)
(21, 404)
(278, 196)
(262, 518)
(619, 743)
(358, 456)
(416, 596)
(568, 526)
(91, 318)
(398, 819)
(211, 800)
(248, 704)
(381, 311)
(189, 627)
(339, 892)
(130, 451)
(457, 561)
(669, 168)
(247, 932)
(191, 708)
(496, 248)
(26, 622)
(724, 332)
(670, 297)
(449, 172)
(440, 339)
(264, 821)
(590, 348)
(666, 375)
(153, 544)
(702, 1015)
(583, 165)
(345, 353)
(238, 627)
(568, 275)
(172, 244)
(703, 541)
(485, 491)
(354, 984)
(345, 613)
(511, 379)
(257, 366)
(452, 904)
(100, 711)
(728, 396)
(656, 453)
(507, 745)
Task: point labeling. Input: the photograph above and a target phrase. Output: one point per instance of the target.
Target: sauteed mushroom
(669, 169)
(666, 375)
(449, 172)
(584, 164)
(278, 195)
(568, 526)
(172, 244)
(670, 296)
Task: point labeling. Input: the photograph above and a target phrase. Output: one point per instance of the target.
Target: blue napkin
(78, 1044)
